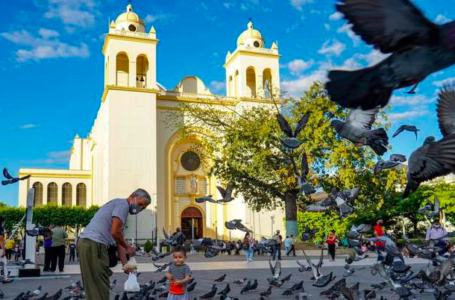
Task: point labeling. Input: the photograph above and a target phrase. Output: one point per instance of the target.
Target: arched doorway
(192, 223)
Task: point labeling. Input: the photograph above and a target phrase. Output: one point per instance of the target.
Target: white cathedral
(130, 146)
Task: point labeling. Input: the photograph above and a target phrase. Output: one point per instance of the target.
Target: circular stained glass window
(256, 44)
(132, 27)
(190, 161)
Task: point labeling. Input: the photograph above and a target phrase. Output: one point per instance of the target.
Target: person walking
(248, 245)
(331, 244)
(47, 244)
(287, 245)
(17, 252)
(380, 246)
(9, 249)
(435, 233)
(104, 229)
(59, 236)
(292, 247)
(277, 248)
(72, 251)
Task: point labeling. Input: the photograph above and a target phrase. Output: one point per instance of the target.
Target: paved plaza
(205, 271)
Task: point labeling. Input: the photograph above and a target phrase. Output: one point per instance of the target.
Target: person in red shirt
(380, 246)
(331, 243)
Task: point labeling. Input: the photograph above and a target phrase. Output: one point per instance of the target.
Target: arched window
(38, 198)
(236, 84)
(67, 194)
(81, 195)
(52, 191)
(230, 87)
(267, 83)
(251, 82)
(142, 68)
(123, 67)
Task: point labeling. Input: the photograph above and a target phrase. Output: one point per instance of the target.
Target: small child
(179, 275)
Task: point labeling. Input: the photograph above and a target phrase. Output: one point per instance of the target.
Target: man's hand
(128, 269)
(131, 251)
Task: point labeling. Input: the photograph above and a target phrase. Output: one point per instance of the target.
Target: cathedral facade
(131, 147)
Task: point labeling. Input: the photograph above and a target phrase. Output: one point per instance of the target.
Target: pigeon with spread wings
(357, 129)
(418, 48)
(291, 140)
(10, 179)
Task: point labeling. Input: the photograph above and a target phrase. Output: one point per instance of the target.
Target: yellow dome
(252, 35)
(129, 16)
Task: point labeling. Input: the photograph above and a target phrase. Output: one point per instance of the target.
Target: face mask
(135, 208)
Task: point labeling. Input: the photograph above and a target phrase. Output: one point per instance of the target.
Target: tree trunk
(290, 208)
(414, 222)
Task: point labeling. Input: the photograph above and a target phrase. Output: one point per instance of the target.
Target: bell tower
(252, 70)
(128, 115)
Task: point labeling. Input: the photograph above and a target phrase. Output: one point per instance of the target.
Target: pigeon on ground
(19, 297)
(73, 285)
(291, 140)
(162, 280)
(191, 286)
(410, 128)
(266, 293)
(2, 294)
(302, 295)
(38, 291)
(431, 210)
(10, 179)
(334, 288)
(112, 284)
(240, 281)
(293, 288)
(357, 129)
(287, 278)
(226, 290)
(246, 288)
(418, 48)
(57, 295)
(221, 279)
(210, 294)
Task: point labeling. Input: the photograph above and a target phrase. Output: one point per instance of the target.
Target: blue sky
(51, 71)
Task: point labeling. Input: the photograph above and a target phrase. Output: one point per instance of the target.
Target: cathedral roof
(249, 36)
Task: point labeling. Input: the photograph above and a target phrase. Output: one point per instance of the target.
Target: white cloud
(336, 16)
(228, 4)
(347, 29)
(295, 87)
(332, 47)
(441, 19)
(158, 17)
(410, 100)
(55, 157)
(297, 66)
(28, 126)
(43, 47)
(373, 57)
(80, 13)
(327, 26)
(298, 4)
(218, 86)
(400, 116)
(48, 33)
(441, 83)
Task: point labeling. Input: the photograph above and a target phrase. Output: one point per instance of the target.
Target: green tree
(246, 150)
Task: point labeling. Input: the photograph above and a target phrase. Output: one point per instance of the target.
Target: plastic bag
(131, 285)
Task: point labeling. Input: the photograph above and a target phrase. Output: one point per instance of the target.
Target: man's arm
(117, 234)
(122, 254)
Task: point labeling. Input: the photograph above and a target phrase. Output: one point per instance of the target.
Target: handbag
(113, 258)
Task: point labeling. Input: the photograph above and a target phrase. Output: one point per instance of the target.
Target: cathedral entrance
(192, 223)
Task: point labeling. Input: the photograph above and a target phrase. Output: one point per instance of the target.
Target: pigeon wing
(222, 191)
(446, 110)
(229, 189)
(388, 25)
(6, 174)
(25, 177)
(361, 119)
(301, 124)
(166, 236)
(397, 158)
(399, 130)
(284, 125)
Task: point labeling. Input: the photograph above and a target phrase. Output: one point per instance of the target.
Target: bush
(148, 246)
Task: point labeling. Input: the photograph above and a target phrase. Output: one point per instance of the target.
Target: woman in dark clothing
(331, 243)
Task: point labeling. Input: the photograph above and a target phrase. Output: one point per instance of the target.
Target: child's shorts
(177, 297)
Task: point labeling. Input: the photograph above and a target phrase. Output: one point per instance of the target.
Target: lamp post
(272, 219)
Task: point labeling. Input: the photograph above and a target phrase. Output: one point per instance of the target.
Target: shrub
(148, 246)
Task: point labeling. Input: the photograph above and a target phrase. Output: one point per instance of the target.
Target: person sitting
(435, 233)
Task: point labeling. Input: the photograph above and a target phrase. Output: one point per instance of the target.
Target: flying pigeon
(304, 185)
(291, 141)
(410, 128)
(308, 234)
(337, 199)
(446, 110)
(276, 269)
(225, 193)
(236, 224)
(158, 255)
(394, 161)
(161, 268)
(431, 210)
(10, 179)
(357, 129)
(429, 161)
(418, 48)
(205, 199)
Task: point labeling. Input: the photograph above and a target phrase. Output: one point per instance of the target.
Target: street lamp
(272, 219)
